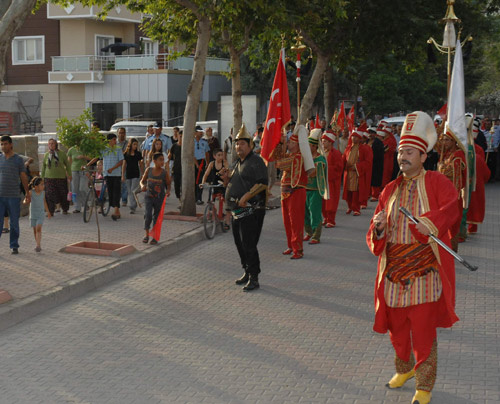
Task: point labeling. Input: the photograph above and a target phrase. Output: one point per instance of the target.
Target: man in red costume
(415, 285)
(453, 165)
(356, 163)
(390, 145)
(293, 192)
(335, 168)
(477, 203)
(366, 188)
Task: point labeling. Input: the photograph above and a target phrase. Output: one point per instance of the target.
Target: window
(28, 50)
(149, 47)
(101, 41)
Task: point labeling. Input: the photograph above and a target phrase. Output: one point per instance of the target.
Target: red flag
(350, 120)
(278, 114)
(443, 112)
(317, 124)
(156, 230)
(341, 117)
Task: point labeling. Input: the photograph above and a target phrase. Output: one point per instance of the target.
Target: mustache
(404, 162)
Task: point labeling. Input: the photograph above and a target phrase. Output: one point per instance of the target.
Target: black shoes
(242, 280)
(15, 251)
(253, 283)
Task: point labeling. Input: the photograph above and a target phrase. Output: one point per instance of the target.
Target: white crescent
(272, 120)
(274, 93)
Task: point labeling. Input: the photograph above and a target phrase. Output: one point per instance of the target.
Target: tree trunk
(312, 89)
(236, 96)
(329, 94)
(188, 203)
(13, 13)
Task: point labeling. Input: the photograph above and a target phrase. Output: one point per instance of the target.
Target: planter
(93, 248)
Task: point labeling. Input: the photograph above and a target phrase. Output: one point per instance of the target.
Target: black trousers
(177, 183)
(246, 233)
(114, 185)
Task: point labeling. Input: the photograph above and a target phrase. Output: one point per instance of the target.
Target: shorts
(37, 221)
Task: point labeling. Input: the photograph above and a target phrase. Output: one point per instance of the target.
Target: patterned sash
(405, 262)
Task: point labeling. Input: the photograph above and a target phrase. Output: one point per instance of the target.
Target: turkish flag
(278, 114)
(317, 124)
(443, 112)
(341, 117)
(350, 120)
(156, 230)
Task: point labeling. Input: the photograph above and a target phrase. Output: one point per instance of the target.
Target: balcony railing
(132, 62)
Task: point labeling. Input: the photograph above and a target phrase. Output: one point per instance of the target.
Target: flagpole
(298, 48)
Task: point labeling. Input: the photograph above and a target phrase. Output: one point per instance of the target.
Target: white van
(395, 120)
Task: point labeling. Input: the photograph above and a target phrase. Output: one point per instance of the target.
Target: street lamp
(449, 37)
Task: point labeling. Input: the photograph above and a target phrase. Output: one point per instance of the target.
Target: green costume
(317, 189)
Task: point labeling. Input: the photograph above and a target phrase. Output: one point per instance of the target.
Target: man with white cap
(356, 164)
(317, 190)
(477, 202)
(335, 168)
(390, 146)
(415, 284)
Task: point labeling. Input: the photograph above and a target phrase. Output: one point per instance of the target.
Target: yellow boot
(421, 397)
(399, 379)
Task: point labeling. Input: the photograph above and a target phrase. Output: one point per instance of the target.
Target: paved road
(182, 332)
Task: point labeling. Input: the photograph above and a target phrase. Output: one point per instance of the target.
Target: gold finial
(450, 13)
(299, 47)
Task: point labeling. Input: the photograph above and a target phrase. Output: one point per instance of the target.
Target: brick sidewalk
(29, 272)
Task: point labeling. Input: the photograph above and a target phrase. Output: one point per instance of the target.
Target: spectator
(149, 132)
(257, 139)
(122, 143)
(175, 136)
(201, 159)
(132, 168)
(156, 183)
(56, 171)
(79, 181)
(157, 147)
(11, 171)
(228, 148)
(38, 208)
(112, 158)
(213, 142)
(175, 155)
(166, 141)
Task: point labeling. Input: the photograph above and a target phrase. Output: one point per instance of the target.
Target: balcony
(90, 69)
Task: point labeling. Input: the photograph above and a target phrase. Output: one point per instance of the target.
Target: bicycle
(212, 217)
(96, 198)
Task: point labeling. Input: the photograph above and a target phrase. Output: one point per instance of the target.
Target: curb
(17, 311)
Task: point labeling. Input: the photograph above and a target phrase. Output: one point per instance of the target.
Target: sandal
(153, 241)
(5, 230)
(226, 226)
(145, 239)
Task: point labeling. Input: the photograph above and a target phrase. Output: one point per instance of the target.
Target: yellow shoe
(399, 379)
(421, 397)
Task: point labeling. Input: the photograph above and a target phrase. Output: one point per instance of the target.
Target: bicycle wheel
(209, 220)
(104, 201)
(88, 207)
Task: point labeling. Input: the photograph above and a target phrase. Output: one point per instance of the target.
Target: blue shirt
(166, 142)
(111, 157)
(10, 175)
(200, 148)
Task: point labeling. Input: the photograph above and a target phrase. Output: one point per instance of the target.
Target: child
(38, 207)
(156, 183)
(213, 177)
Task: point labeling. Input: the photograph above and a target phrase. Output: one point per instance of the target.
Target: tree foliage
(77, 133)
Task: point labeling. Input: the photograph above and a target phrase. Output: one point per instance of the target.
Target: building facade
(64, 53)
